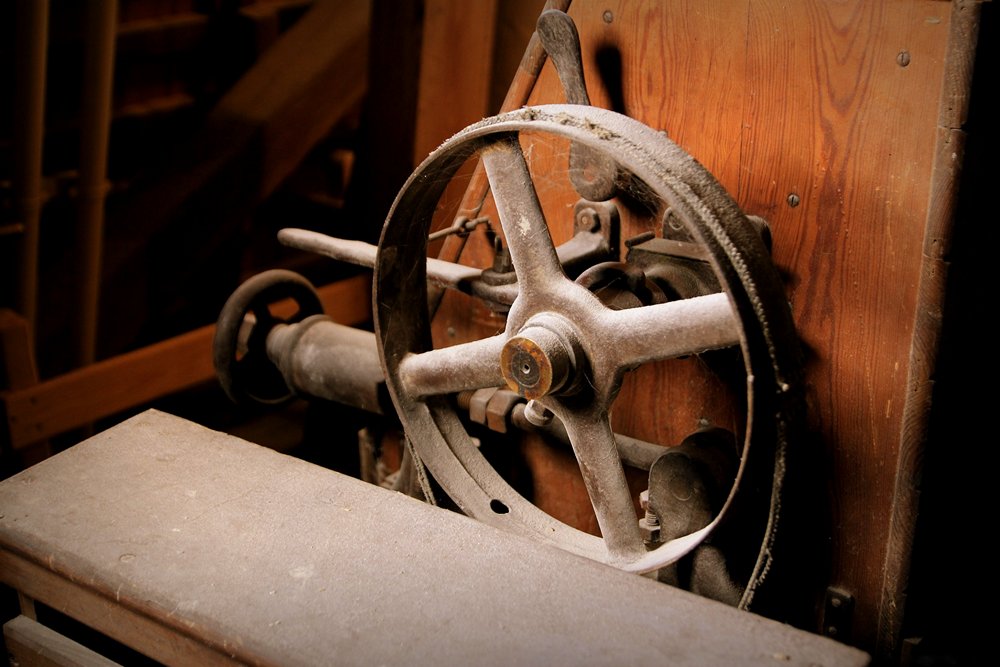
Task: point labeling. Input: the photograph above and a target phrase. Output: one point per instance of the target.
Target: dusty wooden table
(195, 547)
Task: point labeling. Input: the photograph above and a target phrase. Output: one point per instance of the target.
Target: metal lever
(559, 36)
(592, 173)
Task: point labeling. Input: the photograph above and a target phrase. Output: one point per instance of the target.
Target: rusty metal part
(539, 360)
(680, 269)
(260, 358)
(751, 312)
(592, 172)
(499, 409)
(838, 612)
(689, 483)
(448, 275)
(675, 263)
(596, 233)
(475, 402)
(537, 416)
(620, 285)
(649, 525)
(239, 349)
(318, 357)
(633, 452)
(558, 34)
(491, 407)
(462, 225)
(595, 243)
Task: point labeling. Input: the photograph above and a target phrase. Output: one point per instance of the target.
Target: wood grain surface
(824, 119)
(197, 548)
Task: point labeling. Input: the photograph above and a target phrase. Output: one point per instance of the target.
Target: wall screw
(608, 16)
(903, 58)
(587, 220)
(793, 200)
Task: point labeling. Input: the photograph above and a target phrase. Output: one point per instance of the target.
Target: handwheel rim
(738, 259)
(262, 382)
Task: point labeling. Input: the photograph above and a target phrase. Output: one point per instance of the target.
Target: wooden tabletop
(193, 545)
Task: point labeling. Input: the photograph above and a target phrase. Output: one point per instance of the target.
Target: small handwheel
(567, 351)
(242, 365)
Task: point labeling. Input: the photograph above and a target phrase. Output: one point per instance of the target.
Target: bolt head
(644, 499)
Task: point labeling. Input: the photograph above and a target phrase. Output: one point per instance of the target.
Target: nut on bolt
(649, 525)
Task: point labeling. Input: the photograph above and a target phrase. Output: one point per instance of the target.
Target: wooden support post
(19, 372)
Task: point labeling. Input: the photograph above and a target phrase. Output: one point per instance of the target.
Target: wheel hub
(538, 362)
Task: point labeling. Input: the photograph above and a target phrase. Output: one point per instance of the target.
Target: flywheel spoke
(452, 369)
(521, 217)
(669, 330)
(594, 445)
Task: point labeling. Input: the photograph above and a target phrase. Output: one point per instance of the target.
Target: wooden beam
(313, 76)
(118, 621)
(106, 388)
(18, 370)
(31, 644)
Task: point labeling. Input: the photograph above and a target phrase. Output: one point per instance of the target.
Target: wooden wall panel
(823, 118)
(857, 146)
(832, 107)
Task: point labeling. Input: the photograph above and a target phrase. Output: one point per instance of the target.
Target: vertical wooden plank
(515, 25)
(679, 71)
(923, 360)
(18, 370)
(841, 112)
(16, 352)
(27, 606)
(824, 118)
(391, 104)
(455, 65)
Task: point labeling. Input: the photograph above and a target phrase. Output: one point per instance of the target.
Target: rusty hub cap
(536, 362)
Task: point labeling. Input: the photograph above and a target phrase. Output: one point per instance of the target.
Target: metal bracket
(596, 232)
(838, 614)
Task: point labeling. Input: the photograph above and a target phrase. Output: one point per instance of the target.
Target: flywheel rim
(738, 259)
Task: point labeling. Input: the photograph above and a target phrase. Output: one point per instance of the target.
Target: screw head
(587, 220)
(793, 200)
(903, 58)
